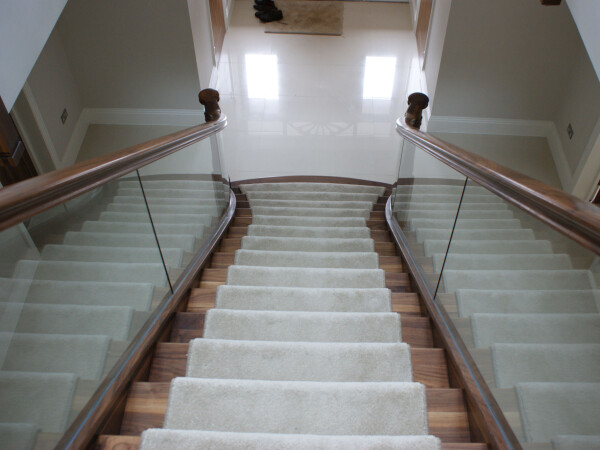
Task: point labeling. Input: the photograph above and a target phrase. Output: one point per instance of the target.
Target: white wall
(203, 40)
(54, 89)
(586, 14)
(505, 59)
(131, 53)
(526, 154)
(24, 27)
(435, 46)
(580, 106)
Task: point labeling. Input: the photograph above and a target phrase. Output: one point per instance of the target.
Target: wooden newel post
(417, 102)
(209, 98)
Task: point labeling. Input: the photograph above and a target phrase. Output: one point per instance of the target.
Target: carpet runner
(302, 349)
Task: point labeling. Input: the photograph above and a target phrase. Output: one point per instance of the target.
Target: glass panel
(525, 301)
(426, 199)
(186, 195)
(77, 283)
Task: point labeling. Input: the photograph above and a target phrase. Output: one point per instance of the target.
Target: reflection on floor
(316, 105)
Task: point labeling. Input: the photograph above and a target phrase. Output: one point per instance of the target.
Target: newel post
(417, 102)
(209, 98)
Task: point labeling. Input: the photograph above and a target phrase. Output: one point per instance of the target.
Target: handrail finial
(417, 102)
(209, 98)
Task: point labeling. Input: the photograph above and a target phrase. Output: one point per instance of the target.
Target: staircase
(69, 309)
(304, 332)
(525, 302)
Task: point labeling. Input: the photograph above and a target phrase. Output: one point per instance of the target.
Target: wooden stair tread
(429, 364)
(391, 263)
(243, 212)
(212, 277)
(416, 331)
(147, 403)
(234, 231)
(224, 259)
(118, 442)
(202, 299)
(377, 224)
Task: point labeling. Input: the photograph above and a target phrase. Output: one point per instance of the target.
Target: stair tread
(429, 366)
(123, 442)
(147, 403)
(416, 331)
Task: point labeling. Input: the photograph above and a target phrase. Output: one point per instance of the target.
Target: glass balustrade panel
(425, 203)
(525, 300)
(186, 195)
(77, 282)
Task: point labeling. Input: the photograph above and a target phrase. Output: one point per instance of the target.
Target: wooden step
(397, 281)
(230, 245)
(226, 258)
(406, 303)
(380, 236)
(237, 232)
(213, 277)
(377, 224)
(416, 331)
(243, 212)
(446, 411)
(202, 299)
(379, 207)
(377, 215)
(385, 248)
(222, 260)
(117, 442)
(429, 364)
(241, 221)
(391, 263)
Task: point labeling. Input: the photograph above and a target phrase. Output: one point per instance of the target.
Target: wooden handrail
(24, 200)
(577, 219)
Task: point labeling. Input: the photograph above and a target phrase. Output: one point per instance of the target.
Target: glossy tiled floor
(316, 105)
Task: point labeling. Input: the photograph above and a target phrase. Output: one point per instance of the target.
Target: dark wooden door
(596, 197)
(15, 163)
(217, 19)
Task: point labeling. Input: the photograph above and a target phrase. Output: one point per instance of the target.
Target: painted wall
(203, 40)
(131, 53)
(526, 154)
(505, 59)
(579, 106)
(24, 28)
(435, 46)
(53, 87)
(586, 14)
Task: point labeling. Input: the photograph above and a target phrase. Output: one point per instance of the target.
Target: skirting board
(508, 127)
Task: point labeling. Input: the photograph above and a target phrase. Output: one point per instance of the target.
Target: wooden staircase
(147, 400)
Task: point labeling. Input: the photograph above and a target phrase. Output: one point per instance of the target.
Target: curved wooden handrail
(27, 198)
(577, 219)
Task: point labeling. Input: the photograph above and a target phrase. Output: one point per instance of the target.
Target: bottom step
(158, 439)
(117, 442)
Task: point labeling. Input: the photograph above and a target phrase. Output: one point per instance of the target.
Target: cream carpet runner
(302, 350)
(67, 314)
(528, 304)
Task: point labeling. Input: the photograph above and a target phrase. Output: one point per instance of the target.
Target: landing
(316, 105)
